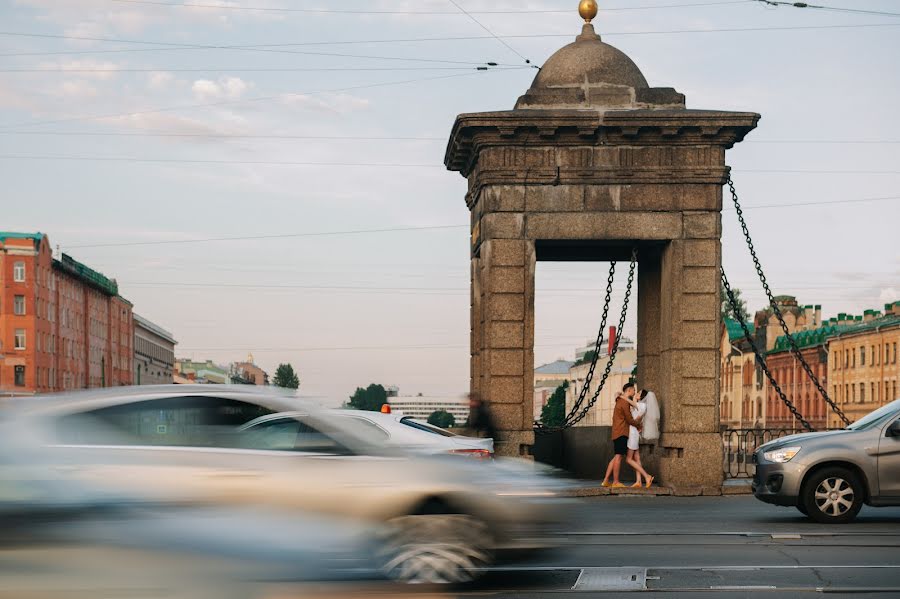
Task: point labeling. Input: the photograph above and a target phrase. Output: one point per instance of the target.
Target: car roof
(275, 399)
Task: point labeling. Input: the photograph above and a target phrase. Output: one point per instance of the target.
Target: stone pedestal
(567, 176)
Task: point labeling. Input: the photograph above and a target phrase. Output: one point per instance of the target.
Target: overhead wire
(491, 33)
(880, 13)
(147, 133)
(403, 229)
(169, 46)
(233, 102)
(135, 159)
(345, 11)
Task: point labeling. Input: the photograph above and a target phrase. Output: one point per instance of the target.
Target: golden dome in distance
(587, 9)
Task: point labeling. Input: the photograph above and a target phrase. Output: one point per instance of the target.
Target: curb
(595, 490)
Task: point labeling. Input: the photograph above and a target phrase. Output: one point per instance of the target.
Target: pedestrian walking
(480, 419)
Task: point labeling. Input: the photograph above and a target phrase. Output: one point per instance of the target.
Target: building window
(19, 272)
(20, 339)
(874, 393)
(19, 305)
(862, 356)
(862, 393)
(846, 358)
(20, 376)
(894, 359)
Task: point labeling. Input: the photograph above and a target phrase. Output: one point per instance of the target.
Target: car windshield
(873, 418)
(424, 426)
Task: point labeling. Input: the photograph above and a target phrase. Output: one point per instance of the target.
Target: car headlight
(781, 455)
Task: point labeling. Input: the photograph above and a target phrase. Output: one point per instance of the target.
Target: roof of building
(891, 320)
(4, 235)
(87, 274)
(734, 329)
(557, 367)
(810, 338)
(154, 328)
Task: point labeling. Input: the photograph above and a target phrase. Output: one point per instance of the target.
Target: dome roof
(590, 60)
(589, 73)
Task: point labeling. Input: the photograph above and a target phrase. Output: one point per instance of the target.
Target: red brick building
(62, 324)
(794, 381)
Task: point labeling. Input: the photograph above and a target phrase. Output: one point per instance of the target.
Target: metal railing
(739, 444)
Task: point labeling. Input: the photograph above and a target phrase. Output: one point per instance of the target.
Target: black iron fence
(738, 445)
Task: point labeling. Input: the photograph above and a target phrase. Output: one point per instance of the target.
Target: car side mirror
(894, 429)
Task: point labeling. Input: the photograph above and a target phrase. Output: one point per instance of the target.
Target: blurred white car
(432, 519)
(394, 430)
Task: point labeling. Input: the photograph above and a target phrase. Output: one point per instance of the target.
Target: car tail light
(478, 454)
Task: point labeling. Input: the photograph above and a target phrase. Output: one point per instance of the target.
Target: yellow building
(863, 369)
(743, 384)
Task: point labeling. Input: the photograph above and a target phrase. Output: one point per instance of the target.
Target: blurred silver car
(393, 429)
(829, 475)
(431, 519)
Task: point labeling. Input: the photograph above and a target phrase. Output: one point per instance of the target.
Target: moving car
(829, 475)
(429, 519)
(394, 430)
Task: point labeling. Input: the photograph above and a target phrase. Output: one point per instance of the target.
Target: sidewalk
(593, 489)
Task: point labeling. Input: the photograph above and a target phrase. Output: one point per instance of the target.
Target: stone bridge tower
(591, 162)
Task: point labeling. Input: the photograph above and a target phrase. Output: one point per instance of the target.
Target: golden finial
(587, 9)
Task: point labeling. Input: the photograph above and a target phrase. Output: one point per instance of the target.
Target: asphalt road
(714, 546)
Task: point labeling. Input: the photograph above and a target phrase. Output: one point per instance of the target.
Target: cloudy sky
(228, 161)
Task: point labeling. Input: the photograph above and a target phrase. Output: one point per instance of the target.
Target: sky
(144, 136)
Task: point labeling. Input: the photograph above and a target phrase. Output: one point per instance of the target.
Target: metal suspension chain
(615, 347)
(538, 425)
(762, 277)
(759, 358)
(598, 344)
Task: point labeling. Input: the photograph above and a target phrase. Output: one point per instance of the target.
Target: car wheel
(802, 509)
(833, 496)
(435, 548)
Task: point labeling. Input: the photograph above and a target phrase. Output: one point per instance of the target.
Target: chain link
(615, 347)
(759, 357)
(598, 344)
(574, 416)
(538, 425)
(762, 277)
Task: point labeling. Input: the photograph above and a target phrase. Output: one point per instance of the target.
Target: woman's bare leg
(635, 462)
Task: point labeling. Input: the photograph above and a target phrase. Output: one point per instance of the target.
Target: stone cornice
(564, 128)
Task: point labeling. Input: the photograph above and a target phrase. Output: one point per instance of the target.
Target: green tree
(588, 357)
(727, 311)
(371, 398)
(554, 411)
(442, 419)
(286, 377)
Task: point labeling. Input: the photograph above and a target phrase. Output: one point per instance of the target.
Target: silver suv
(830, 475)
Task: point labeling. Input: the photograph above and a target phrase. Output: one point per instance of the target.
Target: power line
(273, 236)
(234, 102)
(816, 172)
(411, 12)
(830, 8)
(256, 70)
(271, 47)
(491, 33)
(824, 202)
(213, 161)
(256, 48)
(133, 159)
(381, 138)
(402, 229)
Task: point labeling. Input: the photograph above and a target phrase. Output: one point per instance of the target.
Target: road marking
(786, 536)
(729, 534)
(743, 587)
